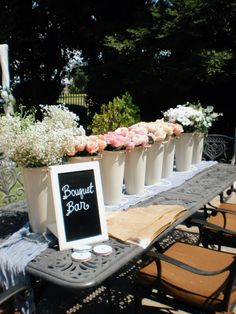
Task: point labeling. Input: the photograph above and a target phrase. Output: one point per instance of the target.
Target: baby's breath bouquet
(192, 116)
(32, 143)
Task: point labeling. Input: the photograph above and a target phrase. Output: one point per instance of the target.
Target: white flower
(7, 97)
(40, 143)
(4, 95)
(193, 117)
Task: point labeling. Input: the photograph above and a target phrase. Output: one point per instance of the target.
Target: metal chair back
(11, 185)
(219, 147)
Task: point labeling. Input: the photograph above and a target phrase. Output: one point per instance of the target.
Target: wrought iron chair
(221, 148)
(11, 185)
(6, 297)
(218, 224)
(190, 278)
(11, 188)
(219, 227)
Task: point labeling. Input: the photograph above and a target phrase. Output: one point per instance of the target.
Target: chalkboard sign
(78, 204)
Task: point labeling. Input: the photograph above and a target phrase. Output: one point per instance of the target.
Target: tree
(166, 53)
(38, 34)
(163, 52)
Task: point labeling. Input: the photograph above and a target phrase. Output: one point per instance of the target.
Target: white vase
(198, 141)
(35, 182)
(76, 159)
(168, 158)
(135, 169)
(112, 166)
(184, 152)
(154, 163)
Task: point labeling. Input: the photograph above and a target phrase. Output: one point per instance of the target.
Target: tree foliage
(163, 52)
(172, 52)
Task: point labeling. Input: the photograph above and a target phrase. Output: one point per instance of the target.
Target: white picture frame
(78, 204)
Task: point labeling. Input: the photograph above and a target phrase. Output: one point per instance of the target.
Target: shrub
(121, 112)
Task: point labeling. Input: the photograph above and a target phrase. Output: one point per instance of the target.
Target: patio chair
(219, 228)
(221, 148)
(218, 224)
(189, 278)
(7, 297)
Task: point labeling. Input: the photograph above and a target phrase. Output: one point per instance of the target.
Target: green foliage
(215, 62)
(162, 51)
(121, 112)
(79, 82)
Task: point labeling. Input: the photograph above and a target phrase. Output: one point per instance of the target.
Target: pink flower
(95, 144)
(139, 139)
(92, 145)
(101, 142)
(115, 140)
(80, 143)
(122, 131)
(139, 134)
(178, 129)
(139, 128)
(174, 129)
(156, 129)
(86, 145)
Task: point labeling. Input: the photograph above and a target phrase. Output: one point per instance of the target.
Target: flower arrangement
(83, 145)
(208, 116)
(193, 117)
(127, 138)
(32, 143)
(156, 130)
(160, 130)
(141, 135)
(172, 129)
(118, 140)
(7, 98)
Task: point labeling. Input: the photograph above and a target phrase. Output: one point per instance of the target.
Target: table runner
(17, 251)
(177, 178)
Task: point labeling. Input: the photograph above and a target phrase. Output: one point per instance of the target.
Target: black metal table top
(58, 267)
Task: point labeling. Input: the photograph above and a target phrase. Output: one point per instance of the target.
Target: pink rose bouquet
(140, 134)
(118, 140)
(86, 145)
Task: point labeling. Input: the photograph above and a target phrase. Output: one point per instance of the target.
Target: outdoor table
(58, 267)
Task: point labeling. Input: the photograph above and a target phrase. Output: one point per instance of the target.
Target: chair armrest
(159, 256)
(222, 210)
(213, 226)
(225, 210)
(7, 294)
(230, 191)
